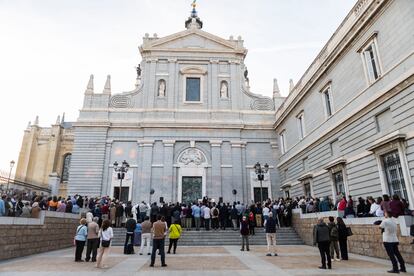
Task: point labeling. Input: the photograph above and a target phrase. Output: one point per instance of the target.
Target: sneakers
(322, 267)
(275, 254)
(242, 249)
(337, 259)
(151, 265)
(268, 254)
(393, 271)
(149, 254)
(164, 265)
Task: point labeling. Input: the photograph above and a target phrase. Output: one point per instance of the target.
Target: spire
(276, 90)
(107, 88)
(36, 121)
(63, 118)
(57, 120)
(194, 22)
(291, 85)
(29, 125)
(89, 88)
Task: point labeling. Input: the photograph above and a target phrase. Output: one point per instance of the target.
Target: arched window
(66, 166)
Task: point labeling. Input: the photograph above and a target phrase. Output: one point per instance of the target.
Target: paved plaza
(225, 260)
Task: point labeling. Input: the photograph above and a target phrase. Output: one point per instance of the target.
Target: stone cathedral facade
(192, 127)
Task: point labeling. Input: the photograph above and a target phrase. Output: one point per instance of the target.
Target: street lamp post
(121, 170)
(261, 171)
(11, 168)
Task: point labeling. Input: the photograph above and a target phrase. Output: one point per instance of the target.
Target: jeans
(325, 254)
(129, 236)
(158, 244)
(271, 242)
(145, 238)
(207, 223)
(79, 250)
(92, 247)
(197, 222)
(343, 246)
(394, 254)
(215, 223)
(142, 216)
(333, 248)
(173, 242)
(234, 222)
(245, 240)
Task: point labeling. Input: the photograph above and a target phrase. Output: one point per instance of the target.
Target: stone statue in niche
(224, 90)
(161, 88)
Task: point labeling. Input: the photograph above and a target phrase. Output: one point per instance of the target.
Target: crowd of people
(153, 223)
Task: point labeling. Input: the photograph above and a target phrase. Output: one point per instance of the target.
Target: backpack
(215, 212)
(251, 216)
(334, 232)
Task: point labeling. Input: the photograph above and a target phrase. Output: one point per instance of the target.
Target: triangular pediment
(192, 39)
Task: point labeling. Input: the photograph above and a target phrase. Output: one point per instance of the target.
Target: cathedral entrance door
(256, 192)
(191, 188)
(125, 193)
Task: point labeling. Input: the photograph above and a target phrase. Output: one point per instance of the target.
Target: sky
(49, 48)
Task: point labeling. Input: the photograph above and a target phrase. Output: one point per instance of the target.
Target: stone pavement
(218, 260)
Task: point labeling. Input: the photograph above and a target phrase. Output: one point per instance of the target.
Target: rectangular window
(338, 179)
(327, 98)
(282, 141)
(287, 194)
(301, 125)
(334, 148)
(285, 174)
(307, 189)
(371, 61)
(393, 171)
(192, 90)
(305, 164)
(384, 121)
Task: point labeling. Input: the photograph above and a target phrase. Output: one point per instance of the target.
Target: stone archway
(192, 165)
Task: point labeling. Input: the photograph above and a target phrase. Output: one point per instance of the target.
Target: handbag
(349, 231)
(105, 243)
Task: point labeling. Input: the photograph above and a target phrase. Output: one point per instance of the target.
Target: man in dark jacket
(130, 226)
(333, 232)
(321, 237)
(270, 226)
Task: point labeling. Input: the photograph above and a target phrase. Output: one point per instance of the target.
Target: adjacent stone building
(192, 127)
(348, 126)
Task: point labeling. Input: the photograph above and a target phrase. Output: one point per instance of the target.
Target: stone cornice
(392, 137)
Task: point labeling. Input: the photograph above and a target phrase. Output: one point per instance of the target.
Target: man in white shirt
(266, 212)
(206, 212)
(390, 239)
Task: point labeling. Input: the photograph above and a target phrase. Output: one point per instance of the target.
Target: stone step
(284, 236)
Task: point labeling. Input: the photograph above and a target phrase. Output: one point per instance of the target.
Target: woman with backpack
(105, 234)
(333, 234)
(175, 233)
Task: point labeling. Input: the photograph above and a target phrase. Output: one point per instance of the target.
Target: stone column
(168, 178)
(54, 183)
(145, 171)
(236, 158)
(246, 190)
(235, 87)
(275, 180)
(107, 172)
(216, 185)
(215, 94)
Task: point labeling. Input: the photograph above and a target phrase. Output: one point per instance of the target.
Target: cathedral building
(192, 127)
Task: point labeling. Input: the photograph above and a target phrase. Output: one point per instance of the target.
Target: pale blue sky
(49, 48)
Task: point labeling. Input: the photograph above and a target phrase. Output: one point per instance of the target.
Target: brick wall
(366, 239)
(21, 237)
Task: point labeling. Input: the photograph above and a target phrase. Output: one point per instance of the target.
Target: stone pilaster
(168, 174)
(215, 95)
(144, 182)
(216, 184)
(171, 86)
(107, 174)
(236, 159)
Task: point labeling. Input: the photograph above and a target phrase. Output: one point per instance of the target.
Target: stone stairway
(284, 236)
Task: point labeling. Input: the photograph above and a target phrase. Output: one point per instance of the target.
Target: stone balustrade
(25, 236)
(367, 237)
